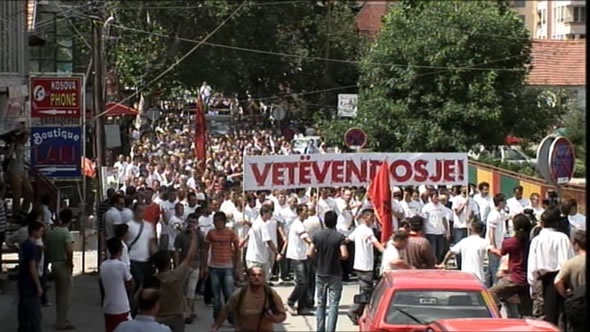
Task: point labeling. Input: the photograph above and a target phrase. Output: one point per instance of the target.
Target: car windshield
(410, 307)
(511, 154)
(300, 143)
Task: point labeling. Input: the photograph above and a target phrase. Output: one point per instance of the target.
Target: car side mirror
(361, 299)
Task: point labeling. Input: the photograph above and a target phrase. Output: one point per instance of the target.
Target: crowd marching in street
(174, 232)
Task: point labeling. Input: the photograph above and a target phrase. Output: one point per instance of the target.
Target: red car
(491, 325)
(409, 300)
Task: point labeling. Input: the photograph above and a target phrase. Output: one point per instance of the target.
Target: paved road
(86, 312)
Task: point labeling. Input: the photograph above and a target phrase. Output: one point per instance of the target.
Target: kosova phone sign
(57, 151)
(53, 97)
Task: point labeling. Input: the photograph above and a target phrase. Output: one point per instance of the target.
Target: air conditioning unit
(569, 19)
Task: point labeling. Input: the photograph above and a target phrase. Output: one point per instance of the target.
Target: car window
(511, 154)
(376, 297)
(299, 143)
(430, 305)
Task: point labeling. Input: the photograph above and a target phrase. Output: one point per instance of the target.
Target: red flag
(200, 134)
(380, 196)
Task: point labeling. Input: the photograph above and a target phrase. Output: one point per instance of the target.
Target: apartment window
(57, 53)
(580, 14)
(562, 14)
(543, 16)
(518, 3)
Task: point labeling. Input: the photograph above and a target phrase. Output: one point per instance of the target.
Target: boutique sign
(56, 151)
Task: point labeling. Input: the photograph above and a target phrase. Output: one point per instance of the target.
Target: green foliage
(305, 29)
(524, 169)
(575, 130)
(445, 75)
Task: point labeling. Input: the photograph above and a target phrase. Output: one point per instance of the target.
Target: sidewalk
(86, 313)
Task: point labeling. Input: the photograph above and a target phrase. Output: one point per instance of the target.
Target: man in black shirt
(329, 249)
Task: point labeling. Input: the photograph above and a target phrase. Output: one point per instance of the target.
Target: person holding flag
(364, 239)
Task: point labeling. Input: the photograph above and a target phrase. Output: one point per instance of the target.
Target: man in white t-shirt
(121, 166)
(229, 208)
(113, 215)
(397, 210)
(515, 205)
(141, 245)
(364, 241)
(495, 227)
(127, 211)
(436, 228)
(116, 281)
(461, 212)
(191, 204)
(326, 203)
(577, 222)
(205, 92)
(391, 256)
(260, 245)
(472, 250)
(251, 210)
(275, 229)
(484, 201)
(345, 207)
(299, 239)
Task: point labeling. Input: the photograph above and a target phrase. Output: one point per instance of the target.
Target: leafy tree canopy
(289, 35)
(445, 75)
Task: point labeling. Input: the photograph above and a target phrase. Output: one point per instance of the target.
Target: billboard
(56, 97)
(57, 151)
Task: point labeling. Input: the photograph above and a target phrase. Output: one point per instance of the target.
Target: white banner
(353, 169)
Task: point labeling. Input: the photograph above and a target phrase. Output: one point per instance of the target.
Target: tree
(445, 75)
(300, 28)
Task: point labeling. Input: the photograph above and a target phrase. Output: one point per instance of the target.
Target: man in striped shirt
(224, 262)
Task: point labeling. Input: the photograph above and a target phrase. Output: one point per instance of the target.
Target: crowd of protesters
(174, 231)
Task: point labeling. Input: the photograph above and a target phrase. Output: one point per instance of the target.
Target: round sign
(562, 160)
(543, 157)
(355, 138)
(278, 112)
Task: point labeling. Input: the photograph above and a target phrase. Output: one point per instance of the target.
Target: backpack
(268, 301)
(576, 306)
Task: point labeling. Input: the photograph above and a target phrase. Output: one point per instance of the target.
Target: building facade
(553, 19)
(545, 19)
(13, 63)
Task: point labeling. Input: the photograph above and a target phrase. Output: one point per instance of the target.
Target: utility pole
(98, 97)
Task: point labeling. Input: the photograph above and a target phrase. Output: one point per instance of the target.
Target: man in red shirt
(224, 263)
(152, 210)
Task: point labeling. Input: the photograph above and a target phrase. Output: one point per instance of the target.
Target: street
(86, 313)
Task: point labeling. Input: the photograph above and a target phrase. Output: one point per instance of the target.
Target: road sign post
(355, 138)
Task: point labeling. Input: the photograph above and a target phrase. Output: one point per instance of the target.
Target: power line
(74, 27)
(201, 6)
(209, 35)
(245, 49)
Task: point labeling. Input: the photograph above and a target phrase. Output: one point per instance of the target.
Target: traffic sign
(56, 151)
(56, 97)
(355, 138)
(556, 159)
(562, 160)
